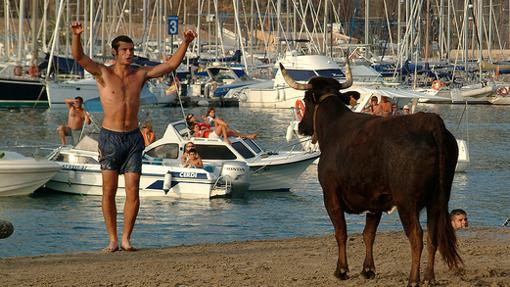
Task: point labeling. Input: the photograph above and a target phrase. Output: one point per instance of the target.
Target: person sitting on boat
(395, 111)
(76, 117)
(214, 121)
(185, 155)
(406, 110)
(194, 160)
(373, 106)
(384, 107)
(190, 157)
(215, 132)
(148, 134)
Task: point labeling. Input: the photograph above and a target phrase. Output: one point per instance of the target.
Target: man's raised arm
(174, 62)
(77, 51)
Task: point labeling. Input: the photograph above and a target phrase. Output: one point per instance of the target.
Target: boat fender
(502, 91)
(167, 182)
(437, 85)
(6, 229)
(290, 133)
(299, 109)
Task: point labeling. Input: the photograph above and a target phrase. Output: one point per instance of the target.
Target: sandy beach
(290, 262)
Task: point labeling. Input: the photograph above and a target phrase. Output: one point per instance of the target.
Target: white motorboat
(153, 92)
(470, 94)
(399, 96)
(20, 175)
(277, 94)
(81, 174)
(269, 170)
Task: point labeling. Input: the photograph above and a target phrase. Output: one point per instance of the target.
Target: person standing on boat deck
(148, 134)
(120, 140)
(75, 119)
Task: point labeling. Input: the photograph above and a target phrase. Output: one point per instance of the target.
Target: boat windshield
(242, 149)
(214, 152)
(74, 158)
(301, 75)
(169, 151)
(252, 145)
(331, 73)
(219, 75)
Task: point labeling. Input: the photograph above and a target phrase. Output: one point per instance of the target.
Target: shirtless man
(384, 108)
(120, 141)
(75, 119)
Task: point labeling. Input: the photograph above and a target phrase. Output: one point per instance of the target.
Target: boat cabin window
(182, 129)
(252, 145)
(242, 149)
(219, 74)
(214, 152)
(170, 151)
(301, 75)
(73, 158)
(331, 73)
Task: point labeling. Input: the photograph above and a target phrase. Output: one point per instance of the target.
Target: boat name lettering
(235, 168)
(72, 166)
(188, 174)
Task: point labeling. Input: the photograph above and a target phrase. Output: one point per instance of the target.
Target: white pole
(55, 38)
(20, 29)
(7, 30)
(91, 30)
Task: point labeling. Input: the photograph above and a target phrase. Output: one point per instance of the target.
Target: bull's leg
(372, 221)
(412, 228)
(337, 217)
(431, 249)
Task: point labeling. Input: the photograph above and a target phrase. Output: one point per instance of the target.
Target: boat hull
(24, 177)
(278, 177)
(87, 180)
(22, 93)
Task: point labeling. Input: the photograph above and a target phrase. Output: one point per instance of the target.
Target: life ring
(299, 109)
(437, 85)
(502, 91)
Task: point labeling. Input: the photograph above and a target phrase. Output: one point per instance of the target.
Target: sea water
(52, 222)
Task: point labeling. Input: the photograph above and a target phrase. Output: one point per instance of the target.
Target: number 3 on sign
(173, 25)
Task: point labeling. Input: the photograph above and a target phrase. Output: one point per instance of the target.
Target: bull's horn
(348, 75)
(290, 81)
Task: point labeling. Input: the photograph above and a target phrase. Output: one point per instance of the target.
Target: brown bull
(374, 164)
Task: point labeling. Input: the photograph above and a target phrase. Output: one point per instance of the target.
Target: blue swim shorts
(121, 151)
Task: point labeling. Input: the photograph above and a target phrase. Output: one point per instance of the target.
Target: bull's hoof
(414, 284)
(6, 229)
(368, 273)
(341, 274)
(430, 282)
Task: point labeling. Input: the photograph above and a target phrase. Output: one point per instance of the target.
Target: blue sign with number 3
(173, 25)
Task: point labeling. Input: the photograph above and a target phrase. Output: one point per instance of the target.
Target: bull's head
(315, 89)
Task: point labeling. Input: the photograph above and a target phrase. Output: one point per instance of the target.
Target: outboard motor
(238, 173)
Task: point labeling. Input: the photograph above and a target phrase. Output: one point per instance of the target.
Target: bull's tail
(439, 225)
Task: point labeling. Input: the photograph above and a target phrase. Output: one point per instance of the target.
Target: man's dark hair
(121, 38)
(456, 212)
(79, 98)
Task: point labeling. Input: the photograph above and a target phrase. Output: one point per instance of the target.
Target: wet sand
(290, 262)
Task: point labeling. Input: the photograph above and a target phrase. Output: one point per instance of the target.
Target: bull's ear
(346, 97)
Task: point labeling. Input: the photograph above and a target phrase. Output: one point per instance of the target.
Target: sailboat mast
(7, 30)
(91, 30)
(20, 30)
(34, 31)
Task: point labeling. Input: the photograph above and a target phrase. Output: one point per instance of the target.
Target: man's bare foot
(128, 249)
(126, 246)
(250, 136)
(112, 247)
